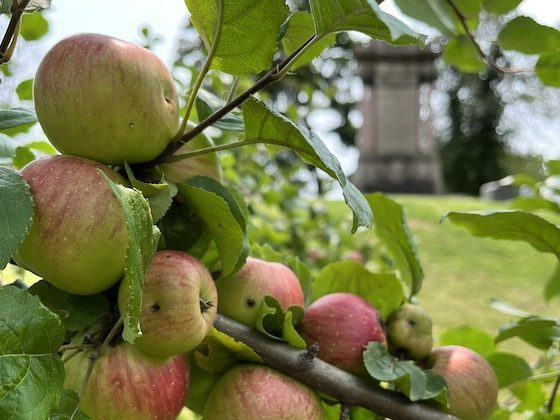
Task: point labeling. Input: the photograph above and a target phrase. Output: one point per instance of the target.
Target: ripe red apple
(342, 324)
(409, 332)
(179, 303)
(241, 295)
(205, 165)
(78, 238)
(471, 381)
(105, 99)
(127, 384)
(255, 392)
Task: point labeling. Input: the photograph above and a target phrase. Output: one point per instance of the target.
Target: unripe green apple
(78, 238)
(106, 99)
(179, 303)
(471, 381)
(409, 332)
(256, 392)
(242, 294)
(127, 384)
(204, 165)
(342, 324)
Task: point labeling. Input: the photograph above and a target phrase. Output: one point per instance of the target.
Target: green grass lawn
(463, 272)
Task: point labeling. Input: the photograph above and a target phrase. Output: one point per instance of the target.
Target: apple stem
(91, 360)
(324, 377)
(112, 333)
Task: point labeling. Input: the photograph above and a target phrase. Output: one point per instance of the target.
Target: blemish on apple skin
(250, 302)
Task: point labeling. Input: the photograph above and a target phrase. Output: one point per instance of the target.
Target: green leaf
(15, 117)
(275, 323)
(531, 396)
(7, 150)
(509, 368)
(223, 351)
(159, 196)
(552, 167)
(552, 286)
(300, 28)
(547, 69)
(511, 225)
(43, 147)
(537, 331)
(525, 35)
(33, 26)
(76, 312)
(249, 31)
(500, 7)
(364, 16)
(436, 13)
(467, 336)
(16, 213)
(461, 53)
(183, 230)
(469, 8)
(25, 90)
(404, 374)
(382, 290)
(32, 373)
(22, 157)
(267, 126)
(142, 240)
(392, 230)
(534, 203)
(67, 409)
(219, 210)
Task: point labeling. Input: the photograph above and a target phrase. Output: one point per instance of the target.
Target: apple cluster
(104, 103)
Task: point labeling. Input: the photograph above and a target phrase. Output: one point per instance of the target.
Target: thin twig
(482, 54)
(550, 402)
(10, 36)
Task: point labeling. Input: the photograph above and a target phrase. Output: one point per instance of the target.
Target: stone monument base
(398, 174)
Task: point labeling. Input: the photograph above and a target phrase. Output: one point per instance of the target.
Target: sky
(123, 19)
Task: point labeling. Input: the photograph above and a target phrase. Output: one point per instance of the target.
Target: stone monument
(396, 143)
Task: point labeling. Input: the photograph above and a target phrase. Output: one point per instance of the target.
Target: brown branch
(482, 54)
(10, 36)
(550, 402)
(350, 390)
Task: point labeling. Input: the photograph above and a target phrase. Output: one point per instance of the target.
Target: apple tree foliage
(255, 44)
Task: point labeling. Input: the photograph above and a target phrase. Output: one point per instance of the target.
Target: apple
(179, 303)
(105, 99)
(255, 392)
(78, 238)
(241, 295)
(204, 165)
(342, 324)
(128, 384)
(471, 381)
(409, 332)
